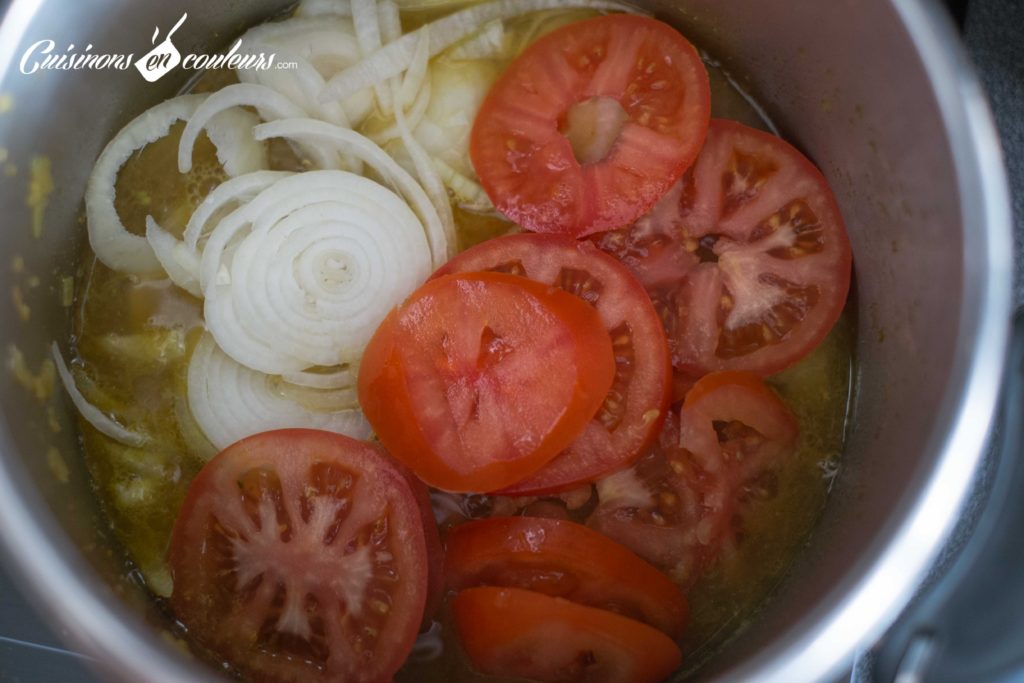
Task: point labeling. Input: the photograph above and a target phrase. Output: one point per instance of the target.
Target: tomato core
(592, 127)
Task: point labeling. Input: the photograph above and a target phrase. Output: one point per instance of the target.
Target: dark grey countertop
(994, 32)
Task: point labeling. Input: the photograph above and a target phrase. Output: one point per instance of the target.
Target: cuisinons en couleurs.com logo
(160, 60)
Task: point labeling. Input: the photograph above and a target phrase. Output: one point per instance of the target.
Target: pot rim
(40, 555)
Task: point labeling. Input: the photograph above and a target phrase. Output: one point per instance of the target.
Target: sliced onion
(390, 21)
(321, 8)
(469, 194)
(394, 58)
(231, 134)
(114, 245)
(181, 264)
(268, 102)
(445, 129)
(366, 22)
(425, 169)
(230, 401)
(93, 415)
(487, 43)
(225, 198)
(441, 240)
(319, 48)
(303, 274)
(413, 116)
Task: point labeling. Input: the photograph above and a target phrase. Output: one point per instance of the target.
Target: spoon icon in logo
(162, 58)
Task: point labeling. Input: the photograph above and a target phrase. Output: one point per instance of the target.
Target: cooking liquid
(134, 338)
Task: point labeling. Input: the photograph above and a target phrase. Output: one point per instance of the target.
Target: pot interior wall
(840, 79)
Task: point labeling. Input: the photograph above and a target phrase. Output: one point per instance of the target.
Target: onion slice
(229, 195)
(302, 275)
(93, 415)
(396, 57)
(230, 401)
(110, 240)
(181, 264)
(440, 237)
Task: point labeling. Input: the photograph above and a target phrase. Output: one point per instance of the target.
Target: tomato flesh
(480, 379)
(635, 405)
(633, 80)
(566, 560)
(746, 257)
(299, 555)
(519, 633)
(682, 504)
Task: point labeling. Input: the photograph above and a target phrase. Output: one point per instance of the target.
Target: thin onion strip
(394, 58)
(93, 415)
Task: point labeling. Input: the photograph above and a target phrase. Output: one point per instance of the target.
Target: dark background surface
(994, 34)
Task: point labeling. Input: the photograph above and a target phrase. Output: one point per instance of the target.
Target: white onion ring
(230, 401)
(93, 415)
(302, 275)
(268, 102)
(110, 240)
(181, 264)
(228, 195)
(440, 237)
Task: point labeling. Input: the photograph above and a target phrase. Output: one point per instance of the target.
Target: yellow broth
(134, 337)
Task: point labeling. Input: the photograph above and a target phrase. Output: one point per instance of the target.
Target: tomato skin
(480, 379)
(566, 560)
(679, 506)
(746, 257)
(637, 404)
(518, 633)
(287, 602)
(527, 165)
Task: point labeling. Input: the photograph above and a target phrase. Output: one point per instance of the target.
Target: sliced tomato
(299, 555)
(683, 502)
(511, 632)
(629, 92)
(632, 411)
(566, 560)
(746, 257)
(479, 379)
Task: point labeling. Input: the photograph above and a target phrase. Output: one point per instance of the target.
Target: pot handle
(969, 626)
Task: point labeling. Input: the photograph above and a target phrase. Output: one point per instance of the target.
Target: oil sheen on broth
(135, 336)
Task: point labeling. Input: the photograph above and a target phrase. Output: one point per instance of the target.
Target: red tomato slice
(746, 257)
(565, 560)
(680, 505)
(632, 412)
(511, 632)
(634, 83)
(480, 379)
(299, 555)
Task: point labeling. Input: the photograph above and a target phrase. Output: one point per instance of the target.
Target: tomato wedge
(681, 504)
(566, 560)
(479, 379)
(746, 257)
(299, 555)
(629, 92)
(632, 412)
(512, 632)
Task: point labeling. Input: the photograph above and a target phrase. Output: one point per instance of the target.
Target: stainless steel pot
(878, 92)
